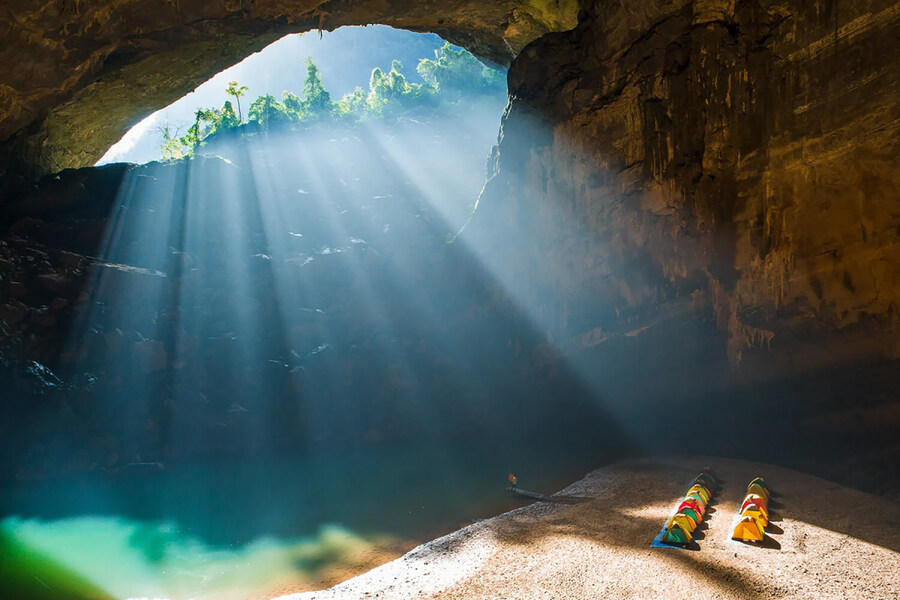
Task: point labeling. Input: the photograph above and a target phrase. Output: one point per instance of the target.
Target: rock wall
(87, 70)
(719, 162)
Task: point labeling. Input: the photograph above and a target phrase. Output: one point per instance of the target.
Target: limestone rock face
(79, 73)
(710, 161)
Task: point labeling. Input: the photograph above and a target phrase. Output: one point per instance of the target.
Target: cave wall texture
(703, 194)
(738, 159)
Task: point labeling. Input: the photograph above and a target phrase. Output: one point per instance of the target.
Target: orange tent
(755, 512)
(748, 529)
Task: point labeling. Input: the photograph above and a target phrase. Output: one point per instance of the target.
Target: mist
(288, 314)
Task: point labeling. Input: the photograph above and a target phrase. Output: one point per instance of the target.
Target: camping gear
(755, 512)
(705, 478)
(704, 493)
(762, 482)
(692, 513)
(753, 516)
(748, 529)
(694, 505)
(681, 525)
(755, 488)
(677, 534)
(686, 522)
(757, 502)
(698, 498)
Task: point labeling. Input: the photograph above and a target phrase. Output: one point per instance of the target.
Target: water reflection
(257, 527)
(114, 557)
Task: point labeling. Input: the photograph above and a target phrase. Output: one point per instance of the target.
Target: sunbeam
(288, 293)
(343, 298)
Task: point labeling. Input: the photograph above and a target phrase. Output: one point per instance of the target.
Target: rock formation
(734, 160)
(693, 199)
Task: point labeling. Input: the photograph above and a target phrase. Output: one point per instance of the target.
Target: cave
(682, 256)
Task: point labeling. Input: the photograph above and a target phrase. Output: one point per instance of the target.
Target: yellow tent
(748, 529)
(755, 488)
(704, 493)
(755, 511)
(684, 520)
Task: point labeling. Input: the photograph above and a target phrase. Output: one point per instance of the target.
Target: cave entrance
(435, 106)
(271, 324)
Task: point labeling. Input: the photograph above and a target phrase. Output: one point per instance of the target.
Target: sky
(346, 58)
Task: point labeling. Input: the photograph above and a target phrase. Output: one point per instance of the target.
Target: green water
(114, 557)
(238, 529)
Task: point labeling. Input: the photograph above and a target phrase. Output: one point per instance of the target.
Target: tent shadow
(770, 543)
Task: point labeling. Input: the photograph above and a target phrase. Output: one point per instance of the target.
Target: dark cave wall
(728, 162)
(698, 202)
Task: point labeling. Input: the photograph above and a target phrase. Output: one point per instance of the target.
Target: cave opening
(267, 312)
(312, 336)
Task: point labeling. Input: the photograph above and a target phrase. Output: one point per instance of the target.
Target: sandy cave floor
(826, 541)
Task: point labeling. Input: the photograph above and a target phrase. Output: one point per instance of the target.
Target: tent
(762, 482)
(754, 500)
(755, 512)
(684, 520)
(696, 496)
(691, 512)
(677, 534)
(704, 493)
(692, 503)
(706, 479)
(749, 529)
(755, 488)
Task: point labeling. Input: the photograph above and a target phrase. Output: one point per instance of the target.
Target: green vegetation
(237, 91)
(453, 74)
(456, 72)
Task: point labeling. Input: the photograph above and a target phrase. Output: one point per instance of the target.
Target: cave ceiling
(79, 73)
